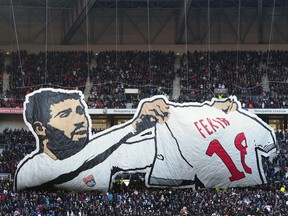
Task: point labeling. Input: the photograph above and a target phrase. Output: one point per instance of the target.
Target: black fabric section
(147, 121)
(198, 183)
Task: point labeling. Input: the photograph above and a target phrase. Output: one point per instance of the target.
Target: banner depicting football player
(211, 144)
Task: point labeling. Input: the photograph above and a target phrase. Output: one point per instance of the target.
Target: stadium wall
(32, 48)
(11, 121)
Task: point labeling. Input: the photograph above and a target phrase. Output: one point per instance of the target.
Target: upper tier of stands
(258, 79)
(1, 70)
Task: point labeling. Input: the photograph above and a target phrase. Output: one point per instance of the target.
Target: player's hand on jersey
(226, 106)
(151, 113)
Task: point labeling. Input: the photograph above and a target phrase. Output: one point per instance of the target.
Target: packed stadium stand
(116, 71)
(188, 51)
(135, 199)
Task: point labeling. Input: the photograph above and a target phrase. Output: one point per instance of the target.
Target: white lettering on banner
(268, 111)
(111, 111)
(133, 111)
(11, 110)
(123, 111)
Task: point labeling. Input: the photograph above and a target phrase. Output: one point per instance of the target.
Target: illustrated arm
(151, 113)
(89, 163)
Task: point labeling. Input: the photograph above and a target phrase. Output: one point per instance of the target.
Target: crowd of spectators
(52, 68)
(14, 102)
(136, 199)
(277, 70)
(1, 70)
(240, 72)
(151, 73)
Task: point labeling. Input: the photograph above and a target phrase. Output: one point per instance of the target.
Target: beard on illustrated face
(61, 145)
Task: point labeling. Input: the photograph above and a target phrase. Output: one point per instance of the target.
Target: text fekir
(209, 126)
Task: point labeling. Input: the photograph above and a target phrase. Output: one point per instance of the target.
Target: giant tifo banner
(197, 145)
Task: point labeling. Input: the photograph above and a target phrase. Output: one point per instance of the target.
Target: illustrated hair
(37, 105)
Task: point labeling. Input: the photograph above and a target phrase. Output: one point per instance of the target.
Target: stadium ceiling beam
(44, 27)
(5, 19)
(181, 20)
(75, 18)
(260, 22)
(280, 32)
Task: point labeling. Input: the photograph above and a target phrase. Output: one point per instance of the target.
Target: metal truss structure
(131, 22)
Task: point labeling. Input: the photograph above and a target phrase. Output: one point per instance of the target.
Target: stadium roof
(143, 3)
(230, 21)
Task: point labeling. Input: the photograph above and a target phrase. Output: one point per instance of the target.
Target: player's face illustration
(69, 117)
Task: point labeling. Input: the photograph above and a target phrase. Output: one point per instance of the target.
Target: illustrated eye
(64, 115)
(80, 110)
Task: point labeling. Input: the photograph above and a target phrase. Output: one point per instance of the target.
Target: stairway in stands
(89, 83)
(264, 78)
(176, 81)
(265, 83)
(6, 86)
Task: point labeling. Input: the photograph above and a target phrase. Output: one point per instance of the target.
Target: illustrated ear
(39, 128)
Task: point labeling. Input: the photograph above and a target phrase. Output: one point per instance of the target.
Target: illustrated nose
(79, 125)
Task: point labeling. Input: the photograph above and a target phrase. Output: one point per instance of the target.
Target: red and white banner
(11, 110)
